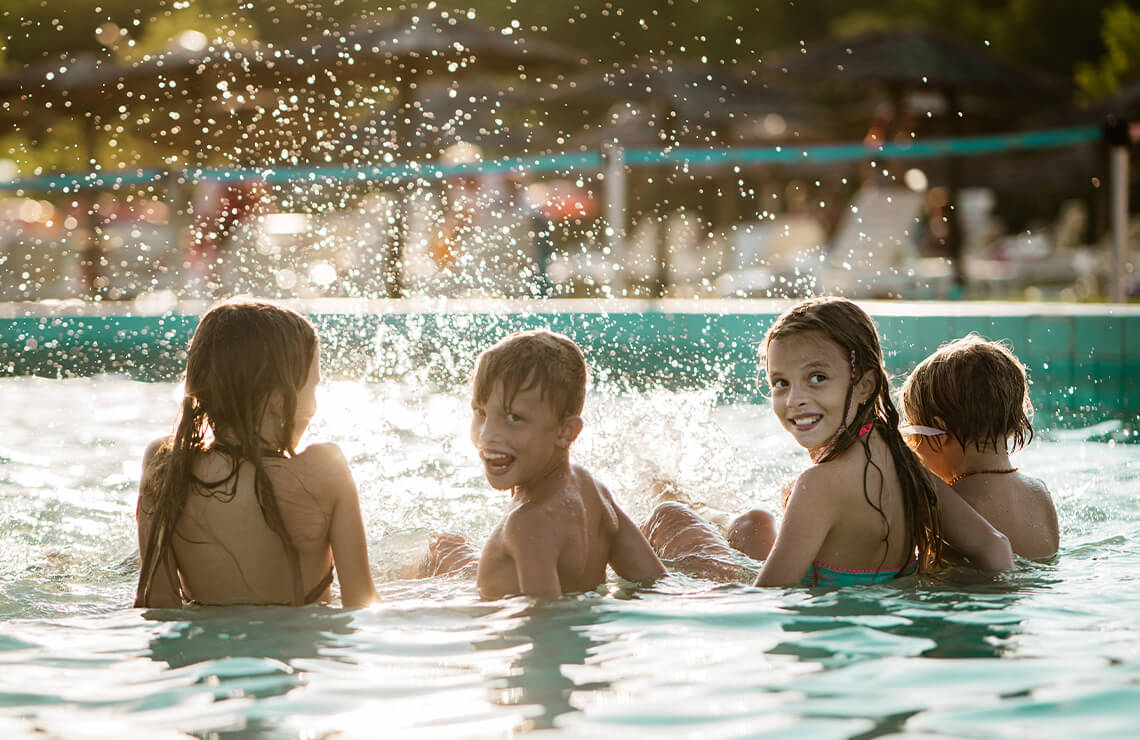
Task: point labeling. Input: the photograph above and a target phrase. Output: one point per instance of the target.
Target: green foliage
(1049, 35)
(164, 30)
(1121, 61)
(858, 22)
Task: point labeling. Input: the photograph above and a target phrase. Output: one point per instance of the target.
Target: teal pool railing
(566, 163)
(1083, 360)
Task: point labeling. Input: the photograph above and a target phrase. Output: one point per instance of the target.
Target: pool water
(1051, 650)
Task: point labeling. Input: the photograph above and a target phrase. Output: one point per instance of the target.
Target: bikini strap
(233, 452)
(320, 588)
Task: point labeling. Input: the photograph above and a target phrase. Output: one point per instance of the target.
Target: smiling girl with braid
(866, 511)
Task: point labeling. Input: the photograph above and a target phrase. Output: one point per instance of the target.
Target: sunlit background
(603, 149)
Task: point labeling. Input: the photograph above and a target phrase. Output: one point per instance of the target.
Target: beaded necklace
(960, 476)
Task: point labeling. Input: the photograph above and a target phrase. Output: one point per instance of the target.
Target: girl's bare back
(225, 551)
(867, 499)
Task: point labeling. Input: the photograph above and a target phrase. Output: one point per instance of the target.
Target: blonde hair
(538, 358)
(980, 391)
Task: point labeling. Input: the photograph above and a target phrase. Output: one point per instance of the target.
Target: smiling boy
(562, 527)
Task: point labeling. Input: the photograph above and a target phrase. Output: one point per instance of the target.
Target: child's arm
(631, 555)
(533, 544)
(165, 590)
(809, 516)
(969, 533)
(346, 529)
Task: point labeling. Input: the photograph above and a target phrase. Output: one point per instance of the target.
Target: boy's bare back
(1020, 507)
(969, 406)
(562, 542)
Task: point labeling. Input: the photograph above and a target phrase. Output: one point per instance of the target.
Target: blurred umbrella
(909, 58)
(400, 52)
(240, 92)
(256, 103)
(914, 60)
(420, 44)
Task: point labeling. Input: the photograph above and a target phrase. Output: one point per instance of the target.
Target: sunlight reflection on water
(1038, 652)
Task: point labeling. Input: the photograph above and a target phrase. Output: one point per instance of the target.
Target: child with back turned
(229, 511)
(562, 527)
(968, 407)
(866, 511)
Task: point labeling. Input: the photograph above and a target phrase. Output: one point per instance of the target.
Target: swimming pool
(1051, 650)
(1084, 358)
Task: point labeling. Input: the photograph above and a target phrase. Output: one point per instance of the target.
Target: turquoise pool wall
(1084, 361)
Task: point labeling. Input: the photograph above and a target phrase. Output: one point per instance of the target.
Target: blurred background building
(881, 149)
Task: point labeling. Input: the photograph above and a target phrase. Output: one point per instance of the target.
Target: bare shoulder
(1015, 491)
(324, 468)
(155, 449)
(154, 458)
(1035, 490)
(821, 483)
(588, 485)
(1036, 486)
(325, 457)
(584, 479)
(530, 524)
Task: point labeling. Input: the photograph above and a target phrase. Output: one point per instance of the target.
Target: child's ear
(275, 404)
(273, 414)
(569, 431)
(864, 387)
(937, 443)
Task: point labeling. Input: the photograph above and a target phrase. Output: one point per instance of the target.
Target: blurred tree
(34, 31)
(1120, 29)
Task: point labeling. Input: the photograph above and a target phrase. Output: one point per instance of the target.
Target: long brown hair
(849, 327)
(242, 352)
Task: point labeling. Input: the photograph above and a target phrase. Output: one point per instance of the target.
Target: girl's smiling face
(809, 376)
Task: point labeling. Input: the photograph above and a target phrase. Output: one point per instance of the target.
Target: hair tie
(866, 429)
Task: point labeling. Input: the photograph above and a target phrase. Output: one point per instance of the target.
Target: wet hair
(540, 359)
(242, 352)
(980, 391)
(851, 329)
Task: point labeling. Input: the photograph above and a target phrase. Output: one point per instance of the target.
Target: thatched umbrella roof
(904, 61)
(912, 58)
(422, 43)
(228, 95)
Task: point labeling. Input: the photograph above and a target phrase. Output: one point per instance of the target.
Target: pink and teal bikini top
(824, 575)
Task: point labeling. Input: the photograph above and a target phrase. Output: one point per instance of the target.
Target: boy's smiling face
(521, 444)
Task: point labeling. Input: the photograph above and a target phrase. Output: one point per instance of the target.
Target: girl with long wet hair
(866, 511)
(230, 512)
